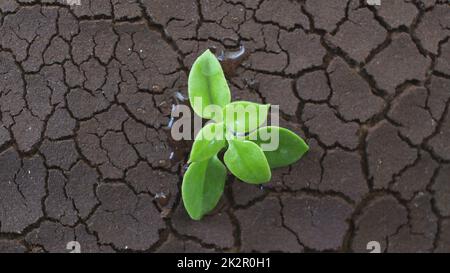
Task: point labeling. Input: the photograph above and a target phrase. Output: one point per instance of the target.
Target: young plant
(236, 127)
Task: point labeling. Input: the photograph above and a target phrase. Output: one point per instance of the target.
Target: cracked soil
(86, 94)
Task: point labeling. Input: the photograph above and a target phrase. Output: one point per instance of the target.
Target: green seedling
(237, 127)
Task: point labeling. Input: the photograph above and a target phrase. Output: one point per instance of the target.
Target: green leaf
(208, 142)
(245, 116)
(247, 162)
(203, 185)
(207, 85)
(286, 151)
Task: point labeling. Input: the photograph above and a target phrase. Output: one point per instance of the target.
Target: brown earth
(86, 92)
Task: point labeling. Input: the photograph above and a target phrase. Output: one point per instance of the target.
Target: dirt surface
(86, 93)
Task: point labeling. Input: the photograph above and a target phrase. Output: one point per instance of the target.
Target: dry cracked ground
(86, 94)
